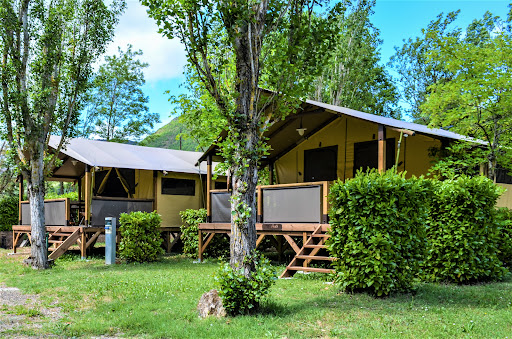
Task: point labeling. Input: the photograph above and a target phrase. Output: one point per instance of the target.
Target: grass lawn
(159, 300)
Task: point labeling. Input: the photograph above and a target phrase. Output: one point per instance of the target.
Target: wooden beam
(382, 148)
(207, 242)
(259, 216)
(260, 239)
(155, 190)
(88, 189)
(83, 244)
(200, 245)
(292, 243)
(208, 188)
(93, 239)
(271, 173)
(20, 196)
(325, 202)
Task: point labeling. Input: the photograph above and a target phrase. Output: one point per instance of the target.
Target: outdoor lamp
(301, 129)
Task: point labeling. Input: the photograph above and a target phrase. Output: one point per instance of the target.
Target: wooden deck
(310, 234)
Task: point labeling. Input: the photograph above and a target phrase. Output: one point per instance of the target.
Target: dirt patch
(22, 314)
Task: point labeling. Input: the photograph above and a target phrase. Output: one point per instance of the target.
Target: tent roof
(112, 154)
(313, 115)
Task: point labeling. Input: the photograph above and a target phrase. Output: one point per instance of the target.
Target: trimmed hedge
(377, 231)
(218, 247)
(8, 212)
(504, 219)
(140, 238)
(462, 232)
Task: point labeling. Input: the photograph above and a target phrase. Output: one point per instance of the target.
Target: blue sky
(396, 19)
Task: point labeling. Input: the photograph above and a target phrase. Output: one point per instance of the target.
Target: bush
(219, 247)
(504, 219)
(462, 232)
(242, 295)
(9, 212)
(377, 231)
(140, 237)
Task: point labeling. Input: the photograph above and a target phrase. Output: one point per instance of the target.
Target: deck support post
(88, 183)
(83, 243)
(200, 246)
(382, 148)
(259, 215)
(208, 189)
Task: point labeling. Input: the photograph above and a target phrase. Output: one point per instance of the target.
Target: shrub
(462, 231)
(219, 247)
(140, 238)
(377, 231)
(242, 295)
(504, 219)
(9, 212)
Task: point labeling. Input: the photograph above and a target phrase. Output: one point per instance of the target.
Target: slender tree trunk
(244, 211)
(246, 123)
(35, 186)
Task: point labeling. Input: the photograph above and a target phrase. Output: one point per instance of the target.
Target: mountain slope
(165, 137)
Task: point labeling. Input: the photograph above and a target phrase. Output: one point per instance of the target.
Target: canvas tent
(114, 178)
(320, 143)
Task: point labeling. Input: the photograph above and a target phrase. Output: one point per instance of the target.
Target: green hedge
(218, 247)
(462, 232)
(504, 219)
(377, 231)
(9, 212)
(140, 237)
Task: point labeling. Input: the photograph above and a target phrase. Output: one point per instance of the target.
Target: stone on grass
(211, 304)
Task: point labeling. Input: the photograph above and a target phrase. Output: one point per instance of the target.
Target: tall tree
(477, 100)
(415, 71)
(117, 109)
(254, 37)
(47, 48)
(353, 76)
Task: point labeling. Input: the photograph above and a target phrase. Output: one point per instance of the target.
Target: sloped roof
(112, 154)
(282, 135)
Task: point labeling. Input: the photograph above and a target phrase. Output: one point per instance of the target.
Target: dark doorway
(321, 164)
(366, 154)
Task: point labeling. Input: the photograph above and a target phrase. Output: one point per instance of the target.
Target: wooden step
(60, 234)
(314, 246)
(314, 257)
(321, 235)
(55, 241)
(310, 269)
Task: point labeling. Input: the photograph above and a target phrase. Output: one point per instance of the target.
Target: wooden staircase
(59, 242)
(308, 253)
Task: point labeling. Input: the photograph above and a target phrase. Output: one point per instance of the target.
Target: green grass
(159, 300)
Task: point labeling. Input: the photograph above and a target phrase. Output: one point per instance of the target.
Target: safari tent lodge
(308, 150)
(111, 179)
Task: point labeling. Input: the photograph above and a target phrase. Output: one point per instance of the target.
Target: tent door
(320, 164)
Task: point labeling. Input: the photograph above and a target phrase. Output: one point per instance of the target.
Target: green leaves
(117, 107)
(377, 231)
(463, 233)
(140, 237)
(218, 247)
(241, 294)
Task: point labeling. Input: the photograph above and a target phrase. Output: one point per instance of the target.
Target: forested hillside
(167, 137)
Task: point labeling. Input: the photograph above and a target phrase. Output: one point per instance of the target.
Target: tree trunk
(246, 125)
(243, 213)
(35, 186)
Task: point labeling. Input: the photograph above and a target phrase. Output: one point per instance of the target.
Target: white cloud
(166, 57)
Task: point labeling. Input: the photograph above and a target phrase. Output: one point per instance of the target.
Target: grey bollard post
(110, 241)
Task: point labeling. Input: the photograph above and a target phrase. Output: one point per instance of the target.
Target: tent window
(112, 185)
(320, 164)
(173, 186)
(366, 154)
(503, 176)
(220, 185)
